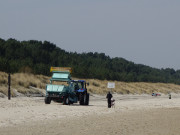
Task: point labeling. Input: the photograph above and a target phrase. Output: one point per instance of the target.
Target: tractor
(64, 90)
(81, 91)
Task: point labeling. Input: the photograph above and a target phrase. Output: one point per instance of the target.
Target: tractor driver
(76, 87)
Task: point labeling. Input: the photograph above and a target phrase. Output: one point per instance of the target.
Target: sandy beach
(132, 115)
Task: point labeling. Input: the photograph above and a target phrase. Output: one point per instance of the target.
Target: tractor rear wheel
(81, 99)
(86, 99)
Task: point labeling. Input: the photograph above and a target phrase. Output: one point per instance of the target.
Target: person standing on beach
(109, 96)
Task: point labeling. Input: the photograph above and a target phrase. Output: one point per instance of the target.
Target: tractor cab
(79, 85)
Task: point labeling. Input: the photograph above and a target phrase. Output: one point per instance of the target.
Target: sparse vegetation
(95, 84)
(132, 87)
(22, 81)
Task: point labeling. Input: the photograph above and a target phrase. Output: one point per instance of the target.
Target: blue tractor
(81, 91)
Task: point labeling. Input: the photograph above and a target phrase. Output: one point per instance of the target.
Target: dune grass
(100, 87)
(20, 82)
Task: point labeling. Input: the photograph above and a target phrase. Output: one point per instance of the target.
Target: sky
(142, 31)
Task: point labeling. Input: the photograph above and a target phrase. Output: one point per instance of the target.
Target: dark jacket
(109, 96)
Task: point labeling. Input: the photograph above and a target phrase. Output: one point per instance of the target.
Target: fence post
(9, 88)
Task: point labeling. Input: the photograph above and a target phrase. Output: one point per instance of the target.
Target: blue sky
(143, 31)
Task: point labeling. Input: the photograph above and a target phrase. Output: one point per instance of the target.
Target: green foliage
(37, 57)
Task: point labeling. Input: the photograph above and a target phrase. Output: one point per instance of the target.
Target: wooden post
(9, 88)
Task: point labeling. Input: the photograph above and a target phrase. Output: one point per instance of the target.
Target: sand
(132, 115)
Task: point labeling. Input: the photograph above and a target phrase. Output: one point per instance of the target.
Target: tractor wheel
(87, 99)
(81, 99)
(66, 101)
(47, 100)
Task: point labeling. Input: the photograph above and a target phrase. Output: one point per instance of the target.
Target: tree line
(37, 57)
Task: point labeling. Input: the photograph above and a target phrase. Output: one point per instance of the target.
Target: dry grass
(100, 87)
(21, 82)
(26, 80)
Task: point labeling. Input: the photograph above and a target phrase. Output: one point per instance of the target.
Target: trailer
(61, 88)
